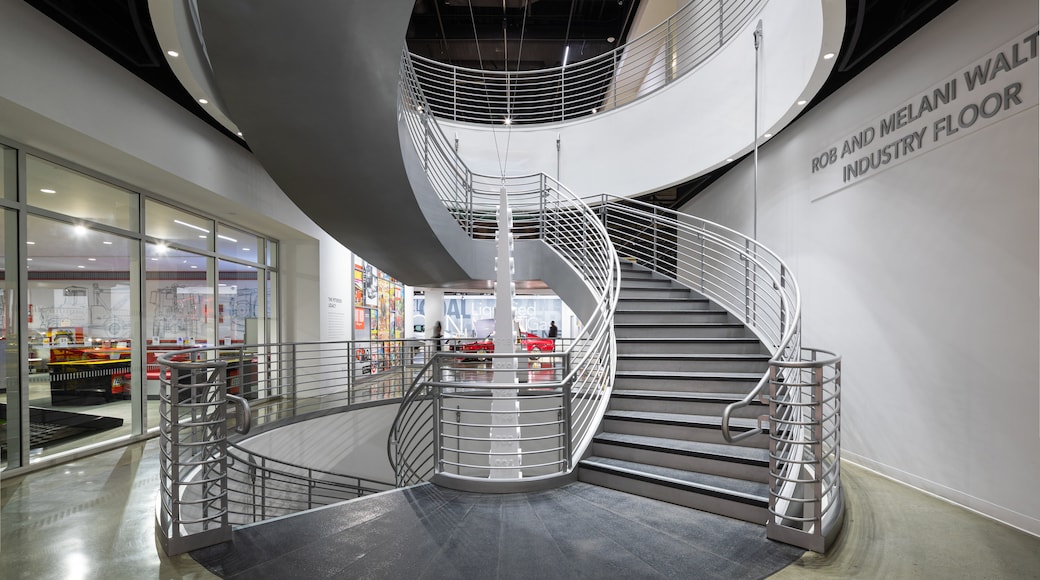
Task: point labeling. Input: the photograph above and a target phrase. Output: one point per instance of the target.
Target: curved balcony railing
(438, 429)
(631, 71)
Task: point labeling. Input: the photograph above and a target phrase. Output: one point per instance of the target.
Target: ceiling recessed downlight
(802, 102)
(767, 135)
(46, 190)
(173, 53)
(203, 102)
(828, 56)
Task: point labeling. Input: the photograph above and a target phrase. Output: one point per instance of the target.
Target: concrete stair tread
(680, 419)
(749, 492)
(694, 339)
(690, 375)
(735, 453)
(680, 396)
(678, 324)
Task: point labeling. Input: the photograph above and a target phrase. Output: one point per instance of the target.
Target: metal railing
(435, 432)
(806, 503)
(631, 71)
(208, 482)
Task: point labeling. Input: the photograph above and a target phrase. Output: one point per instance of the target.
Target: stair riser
(643, 282)
(740, 511)
(659, 293)
(681, 316)
(712, 409)
(687, 385)
(651, 331)
(732, 366)
(759, 473)
(703, 434)
(627, 303)
(690, 347)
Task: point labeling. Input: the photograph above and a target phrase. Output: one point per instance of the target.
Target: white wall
(922, 273)
(65, 98)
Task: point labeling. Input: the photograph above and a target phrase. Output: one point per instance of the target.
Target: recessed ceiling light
(155, 259)
(81, 266)
(173, 53)
(611, 39)
(767, 135)
(239, 133)
(246, 249)
(45, 190)
(192, 226)
(28, 259)
(194, 266)
(80, 230)
(828, 56)
(203, 102)
(31, 243)
(508, 121)
(802, 102)
(107, 243)
(729, 160)
(223, 237)
(92, 259)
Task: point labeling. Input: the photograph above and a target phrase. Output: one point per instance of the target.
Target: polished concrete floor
(93, 518)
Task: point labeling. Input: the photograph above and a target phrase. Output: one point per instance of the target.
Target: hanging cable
(519, 53)
(487, 98)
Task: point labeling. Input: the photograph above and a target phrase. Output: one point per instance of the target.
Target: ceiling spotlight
(802, 102)
(173, 53)
(81, 266)
(45, 190)
(828, 56)
(729, 160)
(767, 135)
(92, 259)
(611, 39)
(203, 102)
(594, 110)
(239, 133)
(107, 243)
(508, 121)
(80, 230)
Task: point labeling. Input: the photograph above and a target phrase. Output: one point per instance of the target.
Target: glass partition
(10, 361)
(80, 320)
(177, 227)
(58, 189)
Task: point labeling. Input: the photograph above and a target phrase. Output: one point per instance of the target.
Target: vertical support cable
(758, 43)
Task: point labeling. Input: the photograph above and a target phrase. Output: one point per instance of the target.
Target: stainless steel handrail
(740, 274)
(630, 72)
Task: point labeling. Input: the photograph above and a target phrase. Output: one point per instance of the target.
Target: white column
(505, 408)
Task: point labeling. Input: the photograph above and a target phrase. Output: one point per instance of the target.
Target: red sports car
(529, 341)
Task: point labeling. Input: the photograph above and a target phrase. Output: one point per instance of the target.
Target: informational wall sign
(996, 86)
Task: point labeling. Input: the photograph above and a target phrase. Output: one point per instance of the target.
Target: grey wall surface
(922, 271)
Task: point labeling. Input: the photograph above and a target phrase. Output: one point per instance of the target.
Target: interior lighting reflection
(203, 102)
(161, 248)
(30, 243)
(80, 230)
(173, 53)
(192, 226)
(92, 259)
(107, 243)
(828, 56)
(802, 102)
(81, 266)
(246, 250)
(223, 237)
(767, 135)
(46, 190)
(508, 121)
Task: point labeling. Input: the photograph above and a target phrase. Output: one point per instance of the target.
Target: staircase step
(690, 403)
(681, 330)
(686, 304)
(664, 293)
(624, 314)
(736, 461)
(724, 363)
(744, 500)
(665, 345)
(705, 428)
(646, 282)
(705, 382)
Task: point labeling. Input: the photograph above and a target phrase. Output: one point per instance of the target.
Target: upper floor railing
(577, 89)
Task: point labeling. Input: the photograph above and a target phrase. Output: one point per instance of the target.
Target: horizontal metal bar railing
(209, 483)
(577, 89)
(806, 502)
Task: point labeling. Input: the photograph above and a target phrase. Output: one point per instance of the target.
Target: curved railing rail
(579, 379)
(806, 503)
(209, 483)
(738, 273)
(577, 89)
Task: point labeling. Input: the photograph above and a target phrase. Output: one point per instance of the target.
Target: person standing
(553, 331)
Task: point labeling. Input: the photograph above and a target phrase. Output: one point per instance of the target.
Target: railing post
(617, 74)
(654, 226)
(351, 369)
(454, 94)
(568, 408)
(293, 381)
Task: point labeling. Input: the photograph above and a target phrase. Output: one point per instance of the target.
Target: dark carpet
(429, 532)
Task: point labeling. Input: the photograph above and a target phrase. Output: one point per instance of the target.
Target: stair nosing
(704, 453)
(701, 488)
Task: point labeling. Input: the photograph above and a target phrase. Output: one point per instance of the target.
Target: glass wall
(109, 279)
(79, 297)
